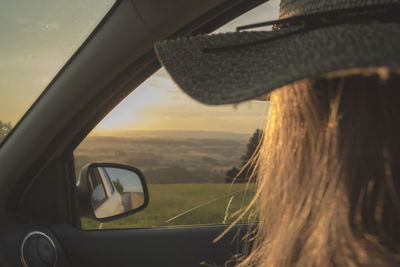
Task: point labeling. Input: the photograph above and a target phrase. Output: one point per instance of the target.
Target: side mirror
(108, 191)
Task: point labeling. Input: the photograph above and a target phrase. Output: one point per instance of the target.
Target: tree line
(243, 173)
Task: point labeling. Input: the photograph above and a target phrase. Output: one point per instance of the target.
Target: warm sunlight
(159, 105)
(38, 37)
(30, 62)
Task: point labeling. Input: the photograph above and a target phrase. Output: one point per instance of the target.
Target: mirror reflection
(114, 191)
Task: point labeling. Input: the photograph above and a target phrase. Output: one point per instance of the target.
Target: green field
(185, 204)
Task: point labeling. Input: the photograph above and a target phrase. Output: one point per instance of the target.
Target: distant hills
(173, 134)
(167, 156)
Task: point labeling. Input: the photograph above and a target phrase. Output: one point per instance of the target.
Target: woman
(329, 167)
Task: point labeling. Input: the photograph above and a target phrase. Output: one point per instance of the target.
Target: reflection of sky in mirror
(129, 180)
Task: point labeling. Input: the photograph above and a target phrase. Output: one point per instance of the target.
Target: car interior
(40, 204)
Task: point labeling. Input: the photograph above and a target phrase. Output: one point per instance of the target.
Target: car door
(39, 201)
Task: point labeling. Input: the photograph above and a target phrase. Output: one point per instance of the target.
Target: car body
(105, 198)
(37, 178)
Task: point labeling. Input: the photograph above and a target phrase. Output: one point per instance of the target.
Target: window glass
(37, 39)
(97, 188)
(105, 175)
(188, 152)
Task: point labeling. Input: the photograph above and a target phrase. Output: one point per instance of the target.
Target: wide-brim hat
(311, 38)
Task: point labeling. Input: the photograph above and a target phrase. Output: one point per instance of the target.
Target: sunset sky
(38, 37)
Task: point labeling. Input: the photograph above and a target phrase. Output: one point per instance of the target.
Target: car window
(37, 38)
(98, 191)
(189, 153)
(107, 179)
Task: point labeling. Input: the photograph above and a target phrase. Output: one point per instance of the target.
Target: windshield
(37, 38)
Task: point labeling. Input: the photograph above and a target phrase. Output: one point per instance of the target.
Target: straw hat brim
(236, 75)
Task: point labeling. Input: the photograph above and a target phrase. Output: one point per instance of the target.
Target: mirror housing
(108, 191)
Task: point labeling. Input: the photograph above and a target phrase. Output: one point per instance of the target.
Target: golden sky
(38, 37)
(159, 105)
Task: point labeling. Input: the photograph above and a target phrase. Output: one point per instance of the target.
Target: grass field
(185, 204)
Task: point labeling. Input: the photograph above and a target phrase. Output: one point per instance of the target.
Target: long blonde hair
(329, 175)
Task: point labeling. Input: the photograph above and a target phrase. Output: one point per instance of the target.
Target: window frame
(148, 64)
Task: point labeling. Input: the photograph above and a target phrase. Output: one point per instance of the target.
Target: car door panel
(13, 230)
(186, 246)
